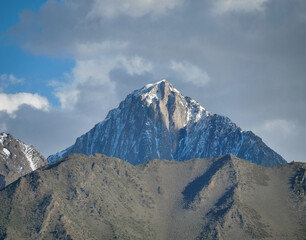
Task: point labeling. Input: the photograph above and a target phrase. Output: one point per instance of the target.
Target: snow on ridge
(151, 92)
(150, 86)
(149, 97)
(28, 152)
(154, 84)
(195, 112)
(2, 137)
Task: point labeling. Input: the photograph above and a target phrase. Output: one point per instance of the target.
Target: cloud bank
(238, 6)
(242, 59)
(131, 8)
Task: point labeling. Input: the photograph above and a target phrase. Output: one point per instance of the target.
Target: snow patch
(28, 152)
(149, 97)
(6, 151)
(152, 92)
(149, 85)
(157, 140)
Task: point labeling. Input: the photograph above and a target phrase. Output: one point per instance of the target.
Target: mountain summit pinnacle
(175, 110)
(157, 121)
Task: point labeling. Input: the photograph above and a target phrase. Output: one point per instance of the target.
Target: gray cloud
(252, 59)
(132, 8)
(48, 131)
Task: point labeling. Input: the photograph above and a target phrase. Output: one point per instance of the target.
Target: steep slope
(17, 159)
(98, 197)
(157, 121)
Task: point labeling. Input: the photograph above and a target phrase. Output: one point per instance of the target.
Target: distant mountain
(98, 197)
(17, 159)
(157, 121)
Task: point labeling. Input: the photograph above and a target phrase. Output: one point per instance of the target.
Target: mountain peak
(157, 121)
(161, 82)
(169, 104)
(165, 96)
(156, 91)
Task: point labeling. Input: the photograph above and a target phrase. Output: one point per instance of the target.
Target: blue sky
(38, 70)
(64, 64)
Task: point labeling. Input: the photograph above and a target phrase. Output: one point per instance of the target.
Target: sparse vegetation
(99, 197)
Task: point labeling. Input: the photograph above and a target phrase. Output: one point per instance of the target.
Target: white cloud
(10, 78)
(188, 72)
(11, 102)
(91, 74)
(135, 65)
(7, 79)
(131, 8)
(244, 6)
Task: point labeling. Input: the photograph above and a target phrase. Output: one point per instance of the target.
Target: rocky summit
(158, 122)
(17, 159)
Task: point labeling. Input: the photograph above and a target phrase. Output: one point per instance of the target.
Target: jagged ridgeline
(98, 197)
(158, 122)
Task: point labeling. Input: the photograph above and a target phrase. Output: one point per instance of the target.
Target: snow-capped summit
(17, 159)
(157, 121)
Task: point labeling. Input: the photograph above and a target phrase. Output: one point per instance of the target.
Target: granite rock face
(17, 159)
(158, 122)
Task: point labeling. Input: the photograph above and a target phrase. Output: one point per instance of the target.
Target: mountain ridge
(99, 197)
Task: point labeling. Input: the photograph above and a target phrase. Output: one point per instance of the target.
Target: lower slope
(98, 197)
